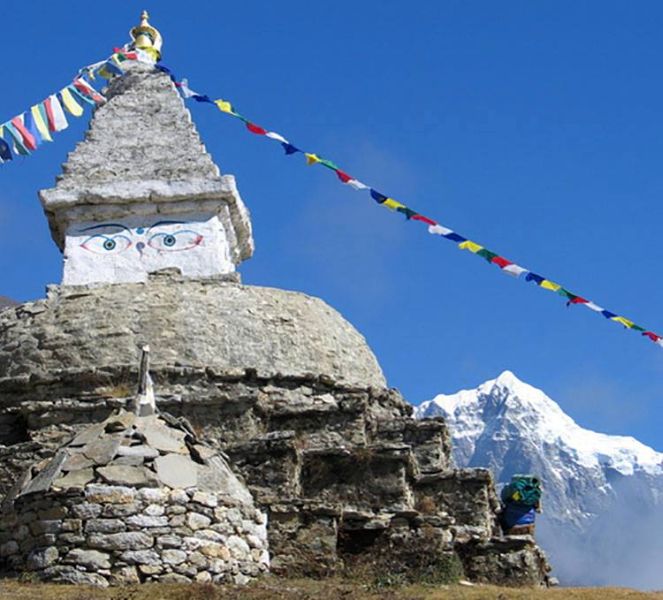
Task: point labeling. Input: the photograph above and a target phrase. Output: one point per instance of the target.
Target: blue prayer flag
(289, 148)
(5, 151)
(454, 237)
(31, 126)
(377, 196)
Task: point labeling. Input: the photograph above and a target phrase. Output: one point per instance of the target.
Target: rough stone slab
(165, 439)
(124, 475)
(173, 557)
(76, 462)
(140, 451)
(44, 480)
(119, 422)
(130, 540)
(102, 451)
(102, 494)
(75, 479)
(66, 574)
(217, 477)
(92, 559)
(147, 521)
(41, 558)
(140, 557)
(176, 471)
(104, 526)
(88, 435)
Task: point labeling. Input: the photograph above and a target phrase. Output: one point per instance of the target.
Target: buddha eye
(176, 241)
(106, 244)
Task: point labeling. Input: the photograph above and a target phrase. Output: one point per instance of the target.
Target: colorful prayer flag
(28, 139)
(393, 204)
(624, 321)
(40, 122)
(378, 197)
(470, 245)
(70, 103)
(513, 269)
(546, 284)
(56, 112)
(5, 150)
(275, 136)
(17, 139)
(31, 126)
(256, 129)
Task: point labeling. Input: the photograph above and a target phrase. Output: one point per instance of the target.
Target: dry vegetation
(307, 589)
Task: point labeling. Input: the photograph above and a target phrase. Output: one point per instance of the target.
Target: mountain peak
(510, 408)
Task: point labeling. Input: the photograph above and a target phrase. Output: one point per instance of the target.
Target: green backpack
(523, 489)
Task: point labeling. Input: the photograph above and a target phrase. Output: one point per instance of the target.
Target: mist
(623, 546)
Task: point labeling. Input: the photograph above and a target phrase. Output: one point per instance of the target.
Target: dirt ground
(330, 589)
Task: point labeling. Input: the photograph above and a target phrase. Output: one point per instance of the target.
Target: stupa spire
(147, 38)
(141, 193)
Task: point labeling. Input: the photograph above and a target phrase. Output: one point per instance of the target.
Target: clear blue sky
(533, 128)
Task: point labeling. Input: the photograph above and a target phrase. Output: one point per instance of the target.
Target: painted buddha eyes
(161, 241)
(106, 244)
(176, 241)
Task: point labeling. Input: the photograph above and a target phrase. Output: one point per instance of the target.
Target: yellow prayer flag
(393, 204)
(549, 285)
(225, 106)
(624, 321)
(311, 159)
(471, 246)
(70, 103)
(41, 124)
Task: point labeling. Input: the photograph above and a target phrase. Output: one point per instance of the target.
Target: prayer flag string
(505, 265)
(26, 132)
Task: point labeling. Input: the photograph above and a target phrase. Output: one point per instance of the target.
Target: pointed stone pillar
(141, 193)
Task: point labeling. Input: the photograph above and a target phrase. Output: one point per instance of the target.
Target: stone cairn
(134, 498)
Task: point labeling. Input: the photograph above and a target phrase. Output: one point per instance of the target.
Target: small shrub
(426, 505)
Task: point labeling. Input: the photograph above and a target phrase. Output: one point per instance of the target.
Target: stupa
(278, 380)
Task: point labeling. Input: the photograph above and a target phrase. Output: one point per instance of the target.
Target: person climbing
(521, 500)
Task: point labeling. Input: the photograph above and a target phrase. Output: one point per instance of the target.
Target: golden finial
(147, 38)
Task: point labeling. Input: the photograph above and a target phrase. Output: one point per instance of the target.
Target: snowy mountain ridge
(534, 411)
(603, 494)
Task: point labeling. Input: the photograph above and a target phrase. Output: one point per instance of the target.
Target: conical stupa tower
(277, 380)
(141, 193)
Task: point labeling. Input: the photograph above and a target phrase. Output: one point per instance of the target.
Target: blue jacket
(518, 514)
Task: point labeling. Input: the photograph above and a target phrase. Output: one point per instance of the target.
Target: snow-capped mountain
(603, 494)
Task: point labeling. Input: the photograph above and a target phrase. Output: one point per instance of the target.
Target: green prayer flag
(487, 254)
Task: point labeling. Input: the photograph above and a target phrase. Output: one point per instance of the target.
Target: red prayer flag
(28, 138)
(652, 336)
(49, 114)
(256, 129)
(578, 300)
(344, 177)
(501, 262)
(88, 90)
(423, 219)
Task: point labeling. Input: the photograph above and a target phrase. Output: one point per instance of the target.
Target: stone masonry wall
(113, 535)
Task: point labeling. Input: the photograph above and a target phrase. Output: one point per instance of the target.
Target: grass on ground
(308, 589)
